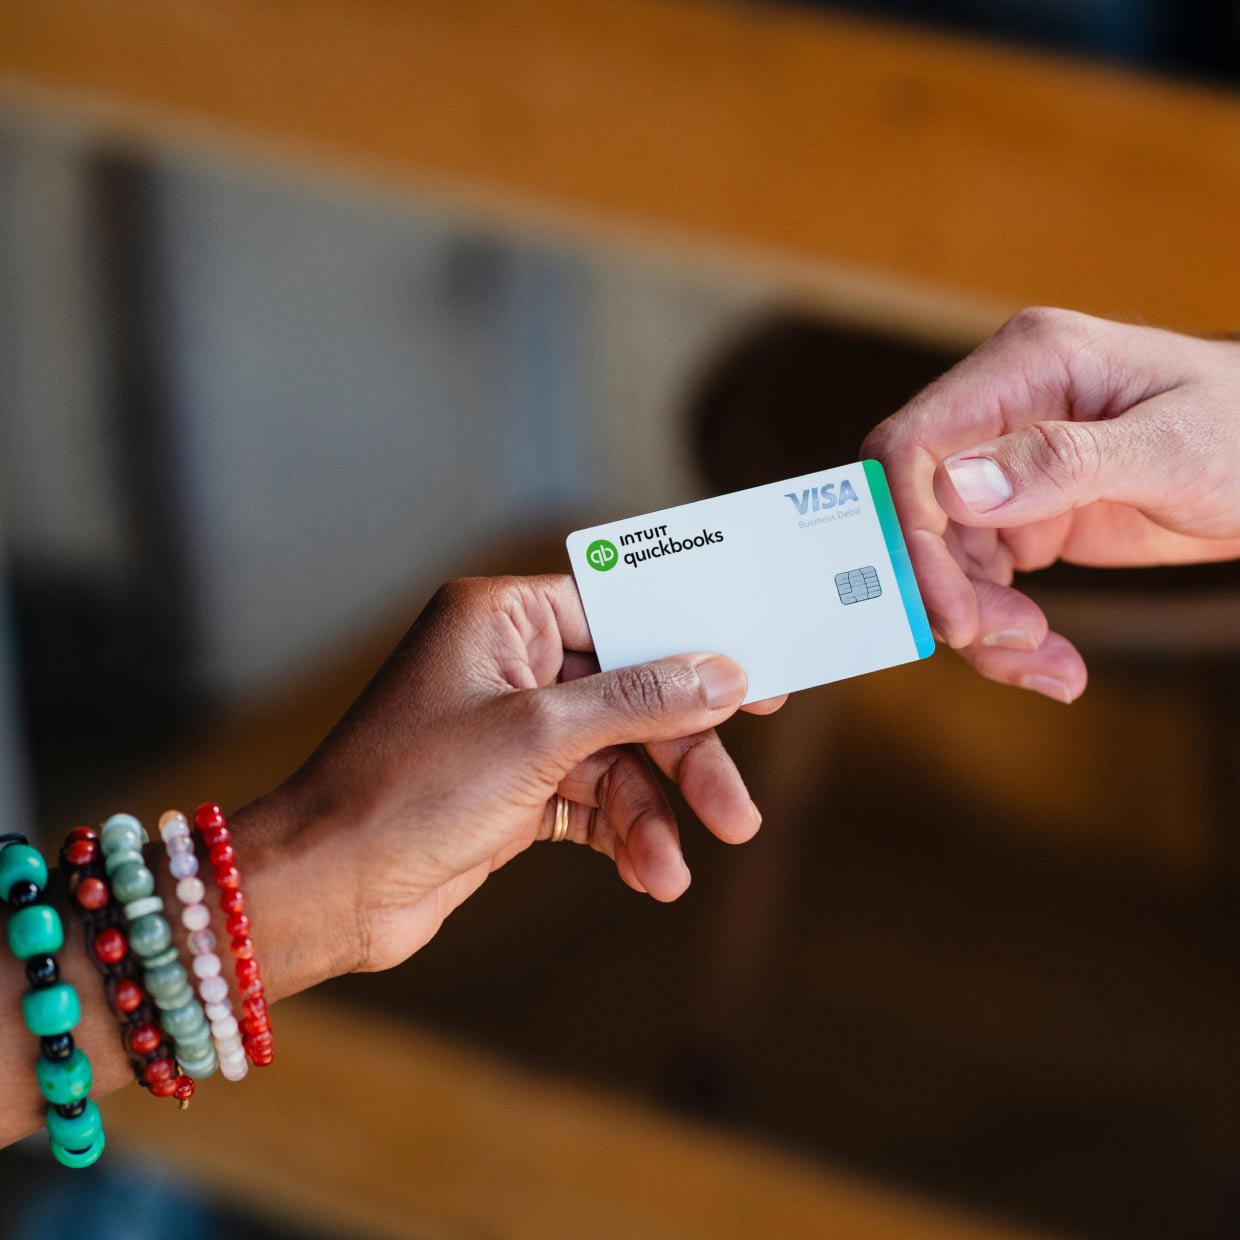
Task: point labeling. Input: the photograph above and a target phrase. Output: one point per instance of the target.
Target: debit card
(802, 582)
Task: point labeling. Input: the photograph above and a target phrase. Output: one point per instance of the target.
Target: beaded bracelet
(148, 1047)
(196, 918)
(150, 939)
(256, 1024)
(50, 1008)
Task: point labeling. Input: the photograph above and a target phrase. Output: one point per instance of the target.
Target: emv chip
(858, 585)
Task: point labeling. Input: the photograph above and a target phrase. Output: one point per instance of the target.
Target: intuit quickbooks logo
(602, 555)
(657, 543)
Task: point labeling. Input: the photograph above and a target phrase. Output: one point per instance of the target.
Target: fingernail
(1014, 639)
(757, 813)
(723, 682)
(979, 482)
(1049, 686)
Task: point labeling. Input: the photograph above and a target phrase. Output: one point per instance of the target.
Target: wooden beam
(827, 141)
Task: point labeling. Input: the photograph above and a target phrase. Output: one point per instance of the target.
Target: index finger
(559, 592)
(710, 784)
(1013, 378)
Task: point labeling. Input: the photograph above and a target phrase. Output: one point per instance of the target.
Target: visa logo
(817, 498)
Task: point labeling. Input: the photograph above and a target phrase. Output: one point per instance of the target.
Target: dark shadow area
(1194, 38)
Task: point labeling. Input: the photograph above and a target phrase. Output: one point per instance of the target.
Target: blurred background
(306, 307)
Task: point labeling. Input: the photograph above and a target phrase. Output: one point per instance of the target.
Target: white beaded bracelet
(196, 918)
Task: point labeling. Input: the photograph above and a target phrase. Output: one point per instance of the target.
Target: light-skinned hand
(1063, 437)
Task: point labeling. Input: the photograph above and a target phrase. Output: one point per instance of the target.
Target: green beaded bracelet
(76, 1132)
(150, 939)
(19, 861)
(35, 931)
(77, 1140)
(78, 1158)
(50, 1008)
(66, 1081)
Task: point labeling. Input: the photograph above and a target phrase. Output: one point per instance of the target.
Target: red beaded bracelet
(149, 1049)
(255, 1022)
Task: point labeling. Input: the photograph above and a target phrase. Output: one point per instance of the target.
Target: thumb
(1046, 469)
(662, 700)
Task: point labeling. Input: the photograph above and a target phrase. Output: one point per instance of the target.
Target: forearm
(303, 932)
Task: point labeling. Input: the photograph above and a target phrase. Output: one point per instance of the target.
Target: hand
(1063, 437)
(446, 767)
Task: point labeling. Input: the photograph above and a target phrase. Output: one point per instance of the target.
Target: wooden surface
(388, 1131)
(832, 145)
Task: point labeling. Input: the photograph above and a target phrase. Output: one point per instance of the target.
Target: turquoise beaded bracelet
(150, 939)
(50, 1008)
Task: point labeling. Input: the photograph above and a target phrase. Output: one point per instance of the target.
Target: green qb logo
(602, 555)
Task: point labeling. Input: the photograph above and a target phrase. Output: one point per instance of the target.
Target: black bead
(22, 893)
(57, 1046)
(71, 1110)
(42, 970)
(12, 837)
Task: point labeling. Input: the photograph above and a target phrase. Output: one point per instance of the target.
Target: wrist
(299, 892)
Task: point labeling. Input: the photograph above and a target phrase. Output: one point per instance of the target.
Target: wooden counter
(388, 1131)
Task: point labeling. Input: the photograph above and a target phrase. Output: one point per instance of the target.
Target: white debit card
(801, 582)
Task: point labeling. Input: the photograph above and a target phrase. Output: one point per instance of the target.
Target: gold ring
(560, 830)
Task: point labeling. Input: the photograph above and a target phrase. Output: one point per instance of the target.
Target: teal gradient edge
(889, 523)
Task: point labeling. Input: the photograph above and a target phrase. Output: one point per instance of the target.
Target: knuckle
(619, 782)
(499, 587)
(641, 689)
(1067, 451)
(605, 784)
(515, 597)
(696, 750)
(442, 598)
(475, 595)
(876, 443)
(1040, 321)
(456, 592)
